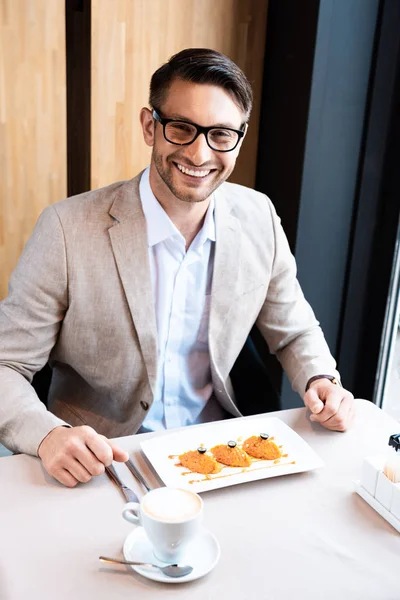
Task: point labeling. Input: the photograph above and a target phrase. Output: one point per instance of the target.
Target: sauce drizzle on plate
(209, 477)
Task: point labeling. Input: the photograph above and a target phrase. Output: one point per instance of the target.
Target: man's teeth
(192, 173)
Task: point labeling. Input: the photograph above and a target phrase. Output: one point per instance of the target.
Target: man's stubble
(167, 178)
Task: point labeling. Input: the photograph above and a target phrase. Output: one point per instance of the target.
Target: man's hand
(330, 405)
(76, 454)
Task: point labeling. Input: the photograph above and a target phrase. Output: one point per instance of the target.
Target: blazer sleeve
(30, 319)
(287, 321)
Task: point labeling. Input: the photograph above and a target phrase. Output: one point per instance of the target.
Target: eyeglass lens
(178, 132)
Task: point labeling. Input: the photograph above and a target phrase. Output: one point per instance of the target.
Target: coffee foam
(173, 505)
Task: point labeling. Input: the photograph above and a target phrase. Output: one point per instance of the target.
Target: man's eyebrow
(179, 117)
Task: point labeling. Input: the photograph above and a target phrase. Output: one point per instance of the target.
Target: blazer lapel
(129, 242)
(226, 267)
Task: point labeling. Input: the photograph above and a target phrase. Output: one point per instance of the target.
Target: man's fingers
(79, 451)
(338, 405)
(65, 477)
(78, 471)
(89, 460)
(342, 420)
(119, 454)
(332, 406)
(313, 402)
(76, 454)
(100, 447)
(87, 449)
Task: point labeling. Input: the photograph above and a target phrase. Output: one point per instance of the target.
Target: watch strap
(331, 378)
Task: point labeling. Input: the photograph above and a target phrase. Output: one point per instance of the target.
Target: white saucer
(203, 554)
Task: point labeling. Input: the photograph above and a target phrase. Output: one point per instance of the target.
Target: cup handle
(131, 513)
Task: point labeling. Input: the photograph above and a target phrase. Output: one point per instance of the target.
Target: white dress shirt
(181, 283)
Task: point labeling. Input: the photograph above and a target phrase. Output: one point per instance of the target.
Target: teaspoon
(169, 570)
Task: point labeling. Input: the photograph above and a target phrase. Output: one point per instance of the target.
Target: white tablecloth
(306, 536)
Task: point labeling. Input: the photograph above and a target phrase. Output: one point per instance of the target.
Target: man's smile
(193, 171)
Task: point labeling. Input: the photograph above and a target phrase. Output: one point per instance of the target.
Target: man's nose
(199, 152)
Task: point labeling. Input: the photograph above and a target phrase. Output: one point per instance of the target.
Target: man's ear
(148, 125)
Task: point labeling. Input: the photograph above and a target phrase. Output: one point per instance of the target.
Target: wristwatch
(331, 378)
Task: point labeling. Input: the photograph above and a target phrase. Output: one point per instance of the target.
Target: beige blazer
(81, 297)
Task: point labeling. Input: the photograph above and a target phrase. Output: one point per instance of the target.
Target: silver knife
(136, 473)
(129, 494)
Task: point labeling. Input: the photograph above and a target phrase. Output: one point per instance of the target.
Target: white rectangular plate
(162, 452)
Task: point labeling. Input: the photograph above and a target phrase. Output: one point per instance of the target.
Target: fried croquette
(199, 462)
(257, 447)
(230, 456)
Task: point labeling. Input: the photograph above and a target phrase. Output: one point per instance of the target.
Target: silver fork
(137, 474)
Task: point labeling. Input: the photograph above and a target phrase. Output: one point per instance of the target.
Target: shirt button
(144, 405)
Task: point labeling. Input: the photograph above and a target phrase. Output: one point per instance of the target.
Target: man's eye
(181, 127)
(222, 133)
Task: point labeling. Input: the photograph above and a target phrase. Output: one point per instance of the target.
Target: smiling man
(141, 295)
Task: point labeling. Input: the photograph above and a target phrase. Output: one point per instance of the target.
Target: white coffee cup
(171, 518)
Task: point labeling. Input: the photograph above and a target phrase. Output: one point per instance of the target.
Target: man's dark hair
(202, 65)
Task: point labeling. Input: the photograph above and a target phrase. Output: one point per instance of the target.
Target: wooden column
(32, 120)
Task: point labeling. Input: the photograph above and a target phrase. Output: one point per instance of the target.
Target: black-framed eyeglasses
(183, 133)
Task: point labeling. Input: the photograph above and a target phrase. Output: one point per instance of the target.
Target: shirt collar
(159, 225)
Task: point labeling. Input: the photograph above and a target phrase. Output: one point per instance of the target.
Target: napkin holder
(378, 491)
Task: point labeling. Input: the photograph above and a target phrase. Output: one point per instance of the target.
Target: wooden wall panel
(32, 120)
(131, 39)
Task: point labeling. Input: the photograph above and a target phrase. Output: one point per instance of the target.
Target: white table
(305, 536)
